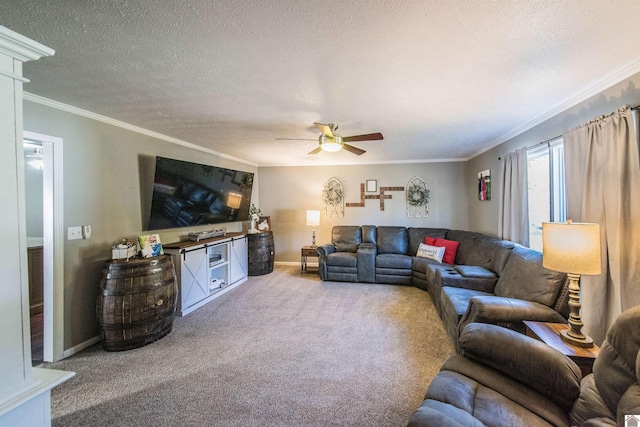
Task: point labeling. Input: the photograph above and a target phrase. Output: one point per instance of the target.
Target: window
(545, 177)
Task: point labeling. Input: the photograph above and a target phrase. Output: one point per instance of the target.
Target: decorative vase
(252, 226)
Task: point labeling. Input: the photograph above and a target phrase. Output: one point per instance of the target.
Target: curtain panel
(514, 199)
(603, 186)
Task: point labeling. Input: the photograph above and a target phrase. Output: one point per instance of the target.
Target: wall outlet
(74, 233)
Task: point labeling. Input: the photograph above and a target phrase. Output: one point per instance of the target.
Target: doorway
(52, 244)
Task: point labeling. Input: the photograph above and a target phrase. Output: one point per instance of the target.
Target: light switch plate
(74, 233)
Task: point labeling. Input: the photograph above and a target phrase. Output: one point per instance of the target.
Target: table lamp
(575, 249)
(313, 219)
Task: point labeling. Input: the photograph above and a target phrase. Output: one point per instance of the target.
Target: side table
(549, 333)
(307, 251)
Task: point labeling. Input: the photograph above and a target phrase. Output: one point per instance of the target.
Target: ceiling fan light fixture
(331, 144)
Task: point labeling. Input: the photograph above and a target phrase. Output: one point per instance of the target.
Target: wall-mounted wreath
(417, 195)
(333, 198)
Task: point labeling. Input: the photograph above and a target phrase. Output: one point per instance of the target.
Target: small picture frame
(150, 245)
(264, 223)
(372, 185)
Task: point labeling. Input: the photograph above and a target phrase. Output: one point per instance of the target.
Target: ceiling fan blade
(366, 137)
(325, 129)
(352, 149)
(316, 151)
(296, 139)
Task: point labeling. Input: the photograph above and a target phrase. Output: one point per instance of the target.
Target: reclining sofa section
(491, 281)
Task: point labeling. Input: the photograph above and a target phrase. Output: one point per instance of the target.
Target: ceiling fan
(331, 141)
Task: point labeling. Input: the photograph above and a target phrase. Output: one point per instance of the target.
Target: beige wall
(483, 216)
(105, 170)
(286, 193)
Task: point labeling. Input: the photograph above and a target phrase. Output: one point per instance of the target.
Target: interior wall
(108, 179)
(33, 199)
(483, 215)
(286, 193)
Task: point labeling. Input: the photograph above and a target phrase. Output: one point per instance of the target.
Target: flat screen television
(187, 194)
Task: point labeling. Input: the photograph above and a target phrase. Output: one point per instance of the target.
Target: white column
(24, 392)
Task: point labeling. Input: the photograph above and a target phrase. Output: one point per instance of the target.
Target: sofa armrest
(501, 310)
(526, 360)
(323, 251)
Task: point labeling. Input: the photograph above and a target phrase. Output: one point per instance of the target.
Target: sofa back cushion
(393, 240)
(500, 255)
(346, 238)
(525, 278)
(369, 234)
(481, 250)
(417, 235)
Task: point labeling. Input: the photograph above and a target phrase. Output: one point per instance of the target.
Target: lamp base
(583, 341)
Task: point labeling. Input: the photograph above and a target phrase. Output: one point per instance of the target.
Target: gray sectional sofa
(492, 280)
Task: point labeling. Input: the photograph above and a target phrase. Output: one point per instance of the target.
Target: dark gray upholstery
(503, 378)
(524, 277)
(392, 240)
(509, 279)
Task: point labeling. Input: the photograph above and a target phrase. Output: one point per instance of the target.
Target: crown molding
(601, 85)
(21, 47)
(113, 122)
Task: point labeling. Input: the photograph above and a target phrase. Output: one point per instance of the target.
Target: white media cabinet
(208, 268)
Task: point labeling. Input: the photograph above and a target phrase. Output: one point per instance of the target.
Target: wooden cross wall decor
(380, 196)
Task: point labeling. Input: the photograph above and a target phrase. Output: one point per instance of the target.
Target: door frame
(53, 244)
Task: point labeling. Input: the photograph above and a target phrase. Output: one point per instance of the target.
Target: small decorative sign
(484, 185)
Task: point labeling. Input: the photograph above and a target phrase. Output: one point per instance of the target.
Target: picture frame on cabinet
(264, 223)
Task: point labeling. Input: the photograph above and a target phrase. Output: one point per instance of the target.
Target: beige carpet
(279, 350)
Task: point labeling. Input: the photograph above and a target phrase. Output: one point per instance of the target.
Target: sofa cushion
(500, 255)
(369, 234)
(475, 271)
(450, 249)
(393, 261)
(393, 240)
(525, 278)
(474, 248)
(346, 238)
(433, 253)
(342, 259)
(417, 235)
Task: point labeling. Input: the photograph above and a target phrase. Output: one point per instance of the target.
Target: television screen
(188, 194)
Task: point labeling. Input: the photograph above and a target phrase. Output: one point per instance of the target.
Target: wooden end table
(307, 251)
(549, 333)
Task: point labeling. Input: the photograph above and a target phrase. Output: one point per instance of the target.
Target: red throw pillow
(450, 249)
(431, 241)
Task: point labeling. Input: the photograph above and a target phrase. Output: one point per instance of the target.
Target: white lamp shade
(233, 201)
(313, 218)
(571, 247)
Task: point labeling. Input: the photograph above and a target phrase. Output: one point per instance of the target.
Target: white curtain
(603, 186)
(514, 200)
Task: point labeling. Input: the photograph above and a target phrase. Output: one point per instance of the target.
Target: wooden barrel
(137, 301)
(260, 253)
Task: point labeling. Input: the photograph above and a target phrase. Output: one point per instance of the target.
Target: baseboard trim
(294, 263)
(78, 348)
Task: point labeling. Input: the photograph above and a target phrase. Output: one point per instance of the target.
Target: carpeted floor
(279, 350)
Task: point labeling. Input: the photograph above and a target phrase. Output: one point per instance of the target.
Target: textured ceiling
(440, 79)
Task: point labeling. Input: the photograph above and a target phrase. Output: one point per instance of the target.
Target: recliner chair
(504, 378)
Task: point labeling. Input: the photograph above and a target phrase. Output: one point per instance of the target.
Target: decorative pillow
(431, 241)
(451, 248)
(430, 252)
